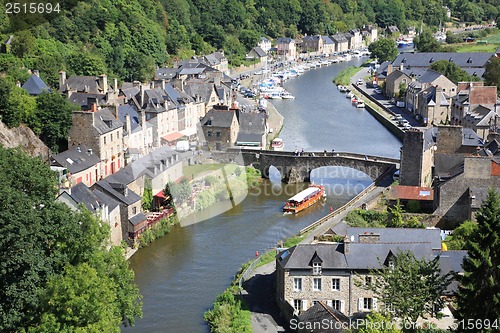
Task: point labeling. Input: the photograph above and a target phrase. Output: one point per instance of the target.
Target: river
(181, 274)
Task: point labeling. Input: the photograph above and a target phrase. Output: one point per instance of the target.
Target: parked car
(378, 91)
(249, 94)
(360, 82)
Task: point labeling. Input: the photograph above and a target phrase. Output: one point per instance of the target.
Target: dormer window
(316, 268)
(391, 263)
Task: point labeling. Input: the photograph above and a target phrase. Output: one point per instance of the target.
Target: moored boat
(287, 95)
(360, 104)
(277, 144)
(304, 199)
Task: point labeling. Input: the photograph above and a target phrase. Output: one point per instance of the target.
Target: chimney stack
(93, 107)
(62, 80)
(103, 82)
(36, 72)
(142, 95)
(116, 85)
(163, 84)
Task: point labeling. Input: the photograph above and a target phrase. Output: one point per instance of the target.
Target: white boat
(273, 95)
(361, 104)
(349, 95)
(287, 95)
(277, 144)
(342, 89)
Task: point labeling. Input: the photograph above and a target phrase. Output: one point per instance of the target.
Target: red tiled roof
(172, 136)
(411, 193)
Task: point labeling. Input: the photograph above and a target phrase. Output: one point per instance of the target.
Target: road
(386, 103)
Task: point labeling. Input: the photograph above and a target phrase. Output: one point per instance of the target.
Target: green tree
(377, 322)
(23, 43)
(451, 70)
(395, 286)
(16, 105)
(54, 116)
(395, 217)
(44, 249)
(492, 73)
(479, 286)
(460, 235)
(147, 197)
(425, 42)
(180, 192)
(384, 49)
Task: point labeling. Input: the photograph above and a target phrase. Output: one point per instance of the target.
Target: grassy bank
(344, 77)
(230, 313)
(158, 230)
(269, 256)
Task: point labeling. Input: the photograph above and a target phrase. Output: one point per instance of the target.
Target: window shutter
(360, 304)
(304, 305)
(329, 303)
(374, 304)
(342, 306)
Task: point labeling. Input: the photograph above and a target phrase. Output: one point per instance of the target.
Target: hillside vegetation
(128, 38)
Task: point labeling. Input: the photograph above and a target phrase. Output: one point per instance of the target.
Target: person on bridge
(324, 152)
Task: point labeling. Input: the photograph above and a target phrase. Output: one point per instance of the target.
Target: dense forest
(128, 38)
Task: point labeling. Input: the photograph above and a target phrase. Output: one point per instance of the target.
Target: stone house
(341, 43)
(220, 128)
(286, 49)
(392, 31)
(312, 44)
(434, 106)
(81, 165)
(423, 81)
(394, 81)
(103, 206)
(252, 129)
(328, 45)
(334, 273)
(356, 41)
(264, 44)
(204, 90)
(100, 131)
(257, 55)
(372, 34)
(79, 89)
(218, 61)
(474, 106)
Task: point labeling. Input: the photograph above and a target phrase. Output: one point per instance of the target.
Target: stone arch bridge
(295, 168)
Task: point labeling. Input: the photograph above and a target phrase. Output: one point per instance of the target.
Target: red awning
(172, 136)
(160, 194)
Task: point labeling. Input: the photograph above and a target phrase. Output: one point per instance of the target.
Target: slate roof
(396, 235)
(126, 109)
(82, 99)
(166, 73)
(327, 40)
(321, 313)
(429, 76)
(339, 38)
(311, 38)
(264, 39)
(218, 118)
(285, 40)
(88, 84)
(451, 261)
(249, 138)
(92, 200)
(251, 122)
(118, 192)
(425, 59)
(299, 256)
(35, 85)
(200, 88)
(76, 161)
(470, 138)
(105, 121)
(259, 51)
(137, 218)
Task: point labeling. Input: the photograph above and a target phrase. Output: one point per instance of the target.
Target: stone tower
(416, 160)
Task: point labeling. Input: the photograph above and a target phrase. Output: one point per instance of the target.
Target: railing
(346, 205)
(247, 272)
(154, 217)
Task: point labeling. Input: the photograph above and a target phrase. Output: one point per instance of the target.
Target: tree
(425, 42)
(395, 217)
(180, 192)
(384, 49)
(492, 73)
(54, 115)
(411, 288)
(377, 322)
(460, 235)
(43, 247)
(23, 43)
(451, 70)
(147, 197)
(16, 105)
(479, 286)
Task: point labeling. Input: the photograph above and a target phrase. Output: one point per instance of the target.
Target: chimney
(78, 149)
(89, 151)
(153, 85)
(163, 84)
(115, 111)
(62, 80)
(142, 95)
(128, 126)
(116, 85)
(93, 107)
(390, 68)
(347, 245)
(369, 238)
(103, 82)
(401, 66)
(36, 72)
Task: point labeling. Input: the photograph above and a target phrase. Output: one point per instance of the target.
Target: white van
(182, 146)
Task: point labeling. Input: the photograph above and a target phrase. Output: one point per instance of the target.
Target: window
(104, 140)
(217, 134)
(297, 284)
(391, 264)
(316, 268)
(209, 133)
(134, 210)
(336, 304)
(368, 280)
(336, 284)
(111, 137)
(367, 304)
(297, 303)
(317, 284)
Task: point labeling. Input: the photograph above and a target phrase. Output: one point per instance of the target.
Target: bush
(158, 230)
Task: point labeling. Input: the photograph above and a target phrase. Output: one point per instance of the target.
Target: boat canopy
(304, 194)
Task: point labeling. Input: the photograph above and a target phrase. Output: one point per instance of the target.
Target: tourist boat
(304, 199)
(287, 95)
(277, 144)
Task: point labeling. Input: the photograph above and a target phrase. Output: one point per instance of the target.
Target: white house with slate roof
(264, 44)
(332, 272)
